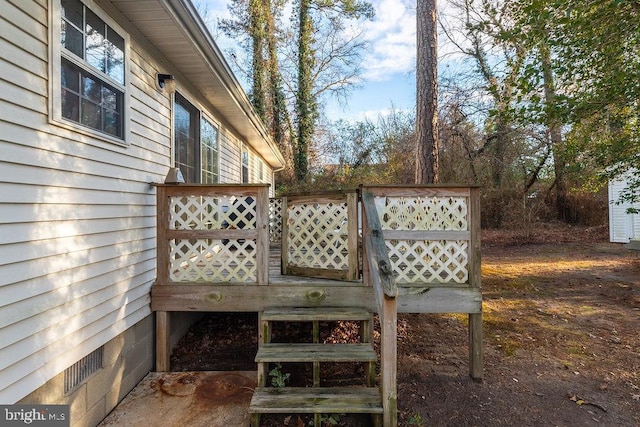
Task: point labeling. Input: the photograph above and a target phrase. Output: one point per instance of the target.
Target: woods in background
(541, 108)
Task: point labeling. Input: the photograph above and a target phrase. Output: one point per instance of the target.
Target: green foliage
(415, 420)
(278, 378)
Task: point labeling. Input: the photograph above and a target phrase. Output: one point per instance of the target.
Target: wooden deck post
(352, 235)
(262, 241)
(163, 351)
(475, 273)
(389, 358)
(284, 240)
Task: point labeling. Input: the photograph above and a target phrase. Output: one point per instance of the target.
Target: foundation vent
(75, 374)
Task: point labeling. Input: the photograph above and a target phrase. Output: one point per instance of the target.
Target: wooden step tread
(300, 352)
(303, 314)
(325, 400)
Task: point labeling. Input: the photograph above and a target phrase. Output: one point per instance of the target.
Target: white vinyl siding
(229, 159)
(623, 226)
(77, 214)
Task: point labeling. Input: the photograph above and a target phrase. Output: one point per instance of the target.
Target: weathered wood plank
(298, 314)
(317, 272)
(426, 235)
(410, 190)
(326, 400)
(218, 297)
(308, 352)
(438, 299)
(352, 236)
(163, 350)
(475, 347)
(241, 297)
(262, 241)
(212, 190)
(231, 234)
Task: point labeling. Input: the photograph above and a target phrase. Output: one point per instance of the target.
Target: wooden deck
(413, 249)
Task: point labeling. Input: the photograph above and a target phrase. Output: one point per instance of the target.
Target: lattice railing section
(423, 213)
(212, 234)
(427, 237)
(275, 220)
(209, 260)
(320, 236)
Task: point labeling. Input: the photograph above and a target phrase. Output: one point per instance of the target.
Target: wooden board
(326, 400)
(303, 352)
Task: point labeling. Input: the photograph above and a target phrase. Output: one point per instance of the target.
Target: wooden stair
(316, 400)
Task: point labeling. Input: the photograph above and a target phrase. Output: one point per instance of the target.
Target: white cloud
(392, 37)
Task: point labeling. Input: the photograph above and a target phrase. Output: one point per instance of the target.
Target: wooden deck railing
(213, 233)
(320, 235)
(432, 237)
(377, 273)
(421, 255)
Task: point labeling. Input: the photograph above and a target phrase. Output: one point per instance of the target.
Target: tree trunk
(305, 104)
(555, 134)
(277, 111)
(256, 16)
(427, 93)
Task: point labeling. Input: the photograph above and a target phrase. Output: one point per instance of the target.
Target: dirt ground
(561, 321)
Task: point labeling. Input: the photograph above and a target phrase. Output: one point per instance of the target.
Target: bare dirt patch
(561, 340)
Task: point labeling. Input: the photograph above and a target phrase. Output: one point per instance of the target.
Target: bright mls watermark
(35, 415)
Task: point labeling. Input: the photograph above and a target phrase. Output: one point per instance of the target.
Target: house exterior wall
(623, 226)
(77, 224)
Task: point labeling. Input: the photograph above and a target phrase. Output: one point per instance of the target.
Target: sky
(388, 79)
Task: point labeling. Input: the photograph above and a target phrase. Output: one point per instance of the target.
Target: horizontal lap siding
(229, 159)
(77, 214)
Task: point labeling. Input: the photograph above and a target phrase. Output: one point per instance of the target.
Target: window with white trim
(196, 143)
(209, 152)
(90, 70)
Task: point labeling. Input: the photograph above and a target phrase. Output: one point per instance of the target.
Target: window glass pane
(115, 55)
(115, 63)
(71, 38)
(209, 152)
(70, 106)
(95, 49)
(72, 12)
(91, 114)
(109, 98)
(70, 76)
(91, 89)
(245, 167)
(185, 137)
(112, 123)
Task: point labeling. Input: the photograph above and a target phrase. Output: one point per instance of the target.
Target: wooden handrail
(380, 277)
(376, 249)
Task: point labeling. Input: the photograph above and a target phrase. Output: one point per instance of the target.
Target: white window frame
(202, 116)
(55, 85)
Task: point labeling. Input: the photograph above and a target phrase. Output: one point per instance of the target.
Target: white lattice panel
(275, 220)
(212, 260)
(422, 213)
(211, 213)
(318, 235)
(429, 261)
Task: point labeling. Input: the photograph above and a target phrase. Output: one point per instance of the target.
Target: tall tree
(306, 106)
(318, 57)
(427, 93)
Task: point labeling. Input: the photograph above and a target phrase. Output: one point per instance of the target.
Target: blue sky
(389, 63)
